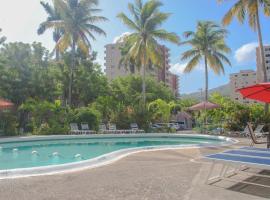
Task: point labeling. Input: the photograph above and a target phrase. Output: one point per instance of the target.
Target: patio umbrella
(259, 92)
(205, 105)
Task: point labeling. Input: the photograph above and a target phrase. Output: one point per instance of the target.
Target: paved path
(159, 175)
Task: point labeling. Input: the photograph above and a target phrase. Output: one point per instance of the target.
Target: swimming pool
(37, 155)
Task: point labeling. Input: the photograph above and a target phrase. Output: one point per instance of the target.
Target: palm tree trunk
(261, 47)
(206, 79)
(71, 72)
(144, 87)
(206, 91)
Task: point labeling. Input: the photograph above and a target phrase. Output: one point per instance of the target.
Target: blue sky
(19, 23)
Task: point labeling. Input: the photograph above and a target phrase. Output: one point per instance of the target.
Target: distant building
(240, 80)
(114, 70)
(267, 63)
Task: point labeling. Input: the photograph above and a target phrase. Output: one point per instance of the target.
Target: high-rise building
(240, 80)
(114, 69)
(259, 65)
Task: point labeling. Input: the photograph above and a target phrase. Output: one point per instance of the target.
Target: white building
(267, 63)
(240, 80)
(114, 70)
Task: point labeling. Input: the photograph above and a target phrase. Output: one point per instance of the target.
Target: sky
(20, 20)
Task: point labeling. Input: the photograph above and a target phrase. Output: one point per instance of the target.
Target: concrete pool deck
(159, 175)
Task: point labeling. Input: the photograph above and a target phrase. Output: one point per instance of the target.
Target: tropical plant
(86, 115)
(26, 72)
(161, 110)
(208, 44)
(77, 21)
(142, 44)
(46, 117)
(53, 15)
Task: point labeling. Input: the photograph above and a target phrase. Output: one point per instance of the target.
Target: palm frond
(238, 10)
(189, 54)
(188, 34)
(95, 29)
(163, 35)
(192, 64)
(215, 64)
(128, 22)
(63, 43)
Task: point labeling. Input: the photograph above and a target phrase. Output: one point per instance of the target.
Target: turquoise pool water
(47, 152)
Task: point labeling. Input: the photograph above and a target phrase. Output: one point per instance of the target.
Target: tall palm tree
(77, 21)
(251, 8)
(208, 45)
(53, 15)
(240, 10)
(143, 48)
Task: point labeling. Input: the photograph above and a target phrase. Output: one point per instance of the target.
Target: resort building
(114, 69)
(239, 80)
(267, 63)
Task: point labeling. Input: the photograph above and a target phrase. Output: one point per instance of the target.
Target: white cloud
(120, 37)
(179, 68)
(246, 53)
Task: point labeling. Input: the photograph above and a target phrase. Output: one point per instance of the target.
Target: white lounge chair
(259, 130)
(245, 132)
(85, 129)
(135, 128)
(74, 129)
(102, 128)
(236, 161)
(112, 129)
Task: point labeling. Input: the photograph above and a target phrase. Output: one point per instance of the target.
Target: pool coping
(102, 160)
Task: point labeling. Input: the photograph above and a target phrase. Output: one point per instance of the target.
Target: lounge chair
(85, 129)
(237, 161)
(254, 137)
(135, 128)
(245, 132)
(259, 130)
(74, 129)
(112, 129)
(102, 128)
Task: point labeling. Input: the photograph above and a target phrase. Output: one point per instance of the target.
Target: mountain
(223, 90)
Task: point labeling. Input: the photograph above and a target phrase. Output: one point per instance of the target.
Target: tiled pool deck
(159, 175)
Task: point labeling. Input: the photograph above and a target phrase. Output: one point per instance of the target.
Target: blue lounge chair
(247, 157)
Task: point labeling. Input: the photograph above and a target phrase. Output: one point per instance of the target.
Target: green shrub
(85, 115)
(46, 118)
(8, 123)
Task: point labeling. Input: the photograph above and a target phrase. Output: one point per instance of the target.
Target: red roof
(4, 104)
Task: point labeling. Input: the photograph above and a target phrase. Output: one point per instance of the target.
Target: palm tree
(208, 44)
(77, 21)
(53, 15)
(142, 45)
(251, 8)
(240, 10)
(2, 38)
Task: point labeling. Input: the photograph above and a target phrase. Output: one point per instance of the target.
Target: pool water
(47, 152)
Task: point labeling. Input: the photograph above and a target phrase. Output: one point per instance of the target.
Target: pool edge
(102, 160)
